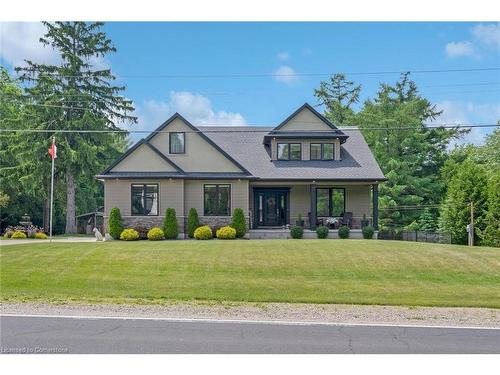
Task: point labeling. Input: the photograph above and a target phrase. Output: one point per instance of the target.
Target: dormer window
(289, 151)
(177, 143)
(322, 151)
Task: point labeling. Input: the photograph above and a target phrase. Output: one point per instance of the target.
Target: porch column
(375, 206)
(312, 218)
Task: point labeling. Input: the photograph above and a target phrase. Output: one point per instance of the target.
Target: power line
(55, 96)
(271, 75)
(431, 127)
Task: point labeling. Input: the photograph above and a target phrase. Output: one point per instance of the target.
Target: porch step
(268, 234)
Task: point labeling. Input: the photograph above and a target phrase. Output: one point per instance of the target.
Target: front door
(271, 207)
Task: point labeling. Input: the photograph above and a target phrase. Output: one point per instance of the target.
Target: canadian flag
(53, 151)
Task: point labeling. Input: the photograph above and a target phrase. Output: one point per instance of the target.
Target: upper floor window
(144, 199)
(289, 151)
(177, 143)
(322, 151)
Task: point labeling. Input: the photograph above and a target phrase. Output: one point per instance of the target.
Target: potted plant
(332, 221)
(300, 222)
(364, 222)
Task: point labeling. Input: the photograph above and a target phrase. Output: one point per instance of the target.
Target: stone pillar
(375, 206)
(313, 215)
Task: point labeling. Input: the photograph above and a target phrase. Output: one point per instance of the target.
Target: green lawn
(316, 271)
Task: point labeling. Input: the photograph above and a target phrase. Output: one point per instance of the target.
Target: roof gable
(143, 157)
(306, 118)
(201, 154)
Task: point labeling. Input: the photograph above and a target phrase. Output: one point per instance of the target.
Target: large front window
(145, 199)
(217, 199)
(177, 143)
(330, 202)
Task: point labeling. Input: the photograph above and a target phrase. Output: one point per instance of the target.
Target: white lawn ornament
(107, 237)
(98, 235)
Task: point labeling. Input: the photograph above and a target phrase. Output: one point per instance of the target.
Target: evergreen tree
(338, 95)
(77, 94)
(490, 235)
(170, 227)
(193, 222)
(467, 182)
(409, 154)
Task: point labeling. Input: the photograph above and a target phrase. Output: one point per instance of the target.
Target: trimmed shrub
(193, 222)
(142, 230)
(8, 234)
(155, 234)
(18, 235)
(368, 232)
(203, 233)
(238, 222)
(170, 227)
(344, 231)
(296, 232)
(129, 235)
(322, 231)
(41, 236)
(226, 233)
(115, 223)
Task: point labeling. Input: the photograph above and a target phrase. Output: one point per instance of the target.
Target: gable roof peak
(313, 111)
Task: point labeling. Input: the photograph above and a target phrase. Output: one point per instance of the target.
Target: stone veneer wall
(147, 222)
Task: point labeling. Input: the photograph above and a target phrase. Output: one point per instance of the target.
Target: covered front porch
(278, 205)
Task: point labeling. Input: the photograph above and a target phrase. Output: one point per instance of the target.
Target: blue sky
(146, 51)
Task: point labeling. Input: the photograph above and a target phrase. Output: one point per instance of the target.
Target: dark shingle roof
(246, 147)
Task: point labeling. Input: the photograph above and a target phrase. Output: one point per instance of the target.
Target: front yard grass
(309, 271)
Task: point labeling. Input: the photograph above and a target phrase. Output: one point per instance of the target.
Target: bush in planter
(142, 230)
(193, 222)
(18, 235)
(129, 235)
(170, 227)
(226, 233)
(115, 223)
(155, 234)
(41, 236)
(368, 232)
(238, 222)
(203, 233)
(296, 232)
(322, 231)
(344, 231)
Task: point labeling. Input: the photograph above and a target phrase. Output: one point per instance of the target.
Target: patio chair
(346, 219)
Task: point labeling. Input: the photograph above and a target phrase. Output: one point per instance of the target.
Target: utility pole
(471, 228)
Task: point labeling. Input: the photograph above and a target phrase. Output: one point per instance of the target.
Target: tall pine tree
(78, 94)
(410, 154)
(338, 95)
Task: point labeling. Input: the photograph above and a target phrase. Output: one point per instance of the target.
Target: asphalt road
(111, 335)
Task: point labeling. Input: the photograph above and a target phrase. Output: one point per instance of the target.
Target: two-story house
(305, 166)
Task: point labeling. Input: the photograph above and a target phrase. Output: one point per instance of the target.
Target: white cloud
(460, 49)
(457, 112)
(485, 36)
(20, 41)
(283, 56)
(196, 108)
(286, 75)
(489, 35)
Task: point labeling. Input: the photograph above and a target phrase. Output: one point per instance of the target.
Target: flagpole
(52, 190)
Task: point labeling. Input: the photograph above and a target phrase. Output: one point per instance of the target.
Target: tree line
(431, 178)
